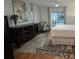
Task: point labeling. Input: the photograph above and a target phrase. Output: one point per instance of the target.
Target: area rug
(42, 44)
(57, 50)
(35, 43)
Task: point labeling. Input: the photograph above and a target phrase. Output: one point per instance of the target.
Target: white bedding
(63, 34)
(63, 31)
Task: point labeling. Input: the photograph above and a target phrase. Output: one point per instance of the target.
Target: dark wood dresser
(22, 34)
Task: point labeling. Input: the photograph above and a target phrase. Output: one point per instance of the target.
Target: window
(57, 18)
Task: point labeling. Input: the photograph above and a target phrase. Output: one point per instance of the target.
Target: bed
(63, 34)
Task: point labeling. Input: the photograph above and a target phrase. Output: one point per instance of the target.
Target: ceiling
(50, 3)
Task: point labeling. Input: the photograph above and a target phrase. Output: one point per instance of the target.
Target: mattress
(63, 31)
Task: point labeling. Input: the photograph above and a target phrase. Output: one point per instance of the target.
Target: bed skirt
(63, 40)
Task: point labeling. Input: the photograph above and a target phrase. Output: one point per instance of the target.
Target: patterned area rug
(42, 44)
(60, 50)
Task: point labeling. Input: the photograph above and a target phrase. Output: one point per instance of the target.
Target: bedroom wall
(40, 13)
(70, 12)
(44, 14)
(36, 13)
(8, 10)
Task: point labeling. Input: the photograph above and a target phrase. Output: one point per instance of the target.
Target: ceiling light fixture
(56, 5)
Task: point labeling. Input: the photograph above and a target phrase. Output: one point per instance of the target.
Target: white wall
(44, 14)
(40, 13)
(36, 13)
(70, 12)
(8, 10)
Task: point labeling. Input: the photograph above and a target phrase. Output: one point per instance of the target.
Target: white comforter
(63, 31)
(63, 34)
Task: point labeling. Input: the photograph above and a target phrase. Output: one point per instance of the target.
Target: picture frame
(19, 9)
